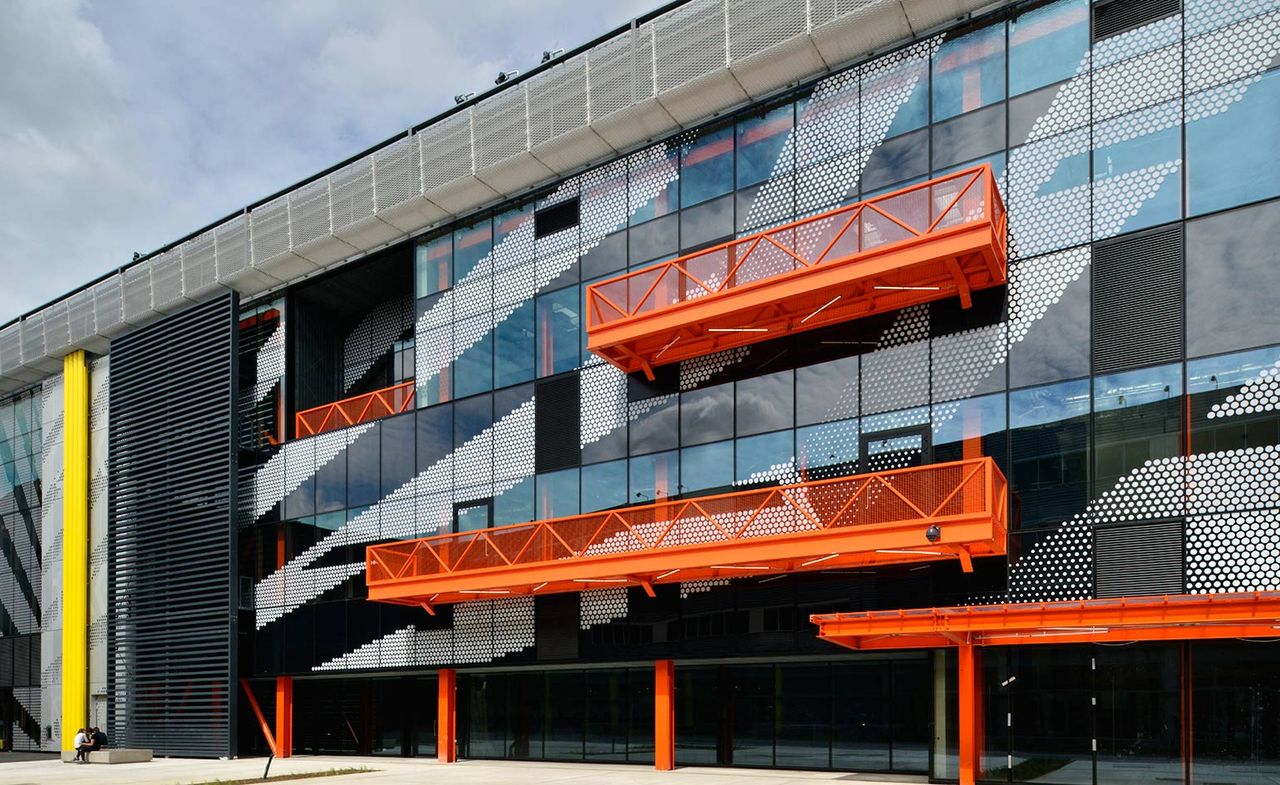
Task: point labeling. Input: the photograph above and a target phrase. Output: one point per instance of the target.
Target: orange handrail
(780, 526)
(924, 211)
(355, 410)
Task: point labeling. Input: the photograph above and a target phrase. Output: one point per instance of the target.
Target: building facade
(647, 429)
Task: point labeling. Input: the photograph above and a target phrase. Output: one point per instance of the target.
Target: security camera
(933, 533)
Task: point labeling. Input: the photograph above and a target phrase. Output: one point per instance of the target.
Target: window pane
(557, 494)
(883, 86)
(1140, 715)
(1051, 713)
(653, 476)
(1137, 418)
(829, 450)
(655, 426)
(706, 467)
(507, 222)
(1047, 44)
(398, 465)
(827, 391)
(1150, 158)
(752, 714)
(761, 142)
(968, 72)
(968, 136)
(762, 458)
(604, 485)
(608, 256)
(515, 504)
(654, 239)
(331, 480)
(470, 417)
(706, 415)
(896, 160)
(706, 167)
(1220, 423)
(1055, 346)
(860, 734)
(1233, 156)
(765, 403)
(706, 223)
(803, 716)
(514, 342)
(435, 263)
(473, 370)
(1233, 271)
(471, 516)
(435, 435)
(1049, 430)
(970, 428)
(470, 245)
(363, 475)
(558, 331)
(654, 185)
(1236, 729)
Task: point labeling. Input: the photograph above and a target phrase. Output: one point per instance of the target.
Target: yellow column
(75, 546)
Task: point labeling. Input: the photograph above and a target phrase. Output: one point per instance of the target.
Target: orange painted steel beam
(878, 518)
(942, 238)
(447, 716)
(1155, 618)
(262, 720)
(664, 715)
(284, 716)
(355, 410)
(969, 702)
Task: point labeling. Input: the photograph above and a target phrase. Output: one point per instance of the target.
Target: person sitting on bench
(99, 739)
(83, 746)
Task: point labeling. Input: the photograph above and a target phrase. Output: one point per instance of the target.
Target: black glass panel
(1235, 713)
(860, 731)
(1139, 714)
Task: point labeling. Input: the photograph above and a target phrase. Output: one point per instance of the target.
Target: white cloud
(126, 125)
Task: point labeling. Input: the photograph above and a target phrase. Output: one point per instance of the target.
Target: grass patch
(287, 777)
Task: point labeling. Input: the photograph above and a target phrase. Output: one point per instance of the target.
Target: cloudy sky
(126, 124)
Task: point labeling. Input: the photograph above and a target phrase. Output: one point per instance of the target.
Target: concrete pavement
(401, 771)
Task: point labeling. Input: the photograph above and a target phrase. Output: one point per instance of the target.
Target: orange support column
(971, 722)
(284, 716)
(447, 716)
(664, 715)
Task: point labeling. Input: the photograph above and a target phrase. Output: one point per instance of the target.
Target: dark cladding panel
(172, 470)
(1138, 300)
(557, 423)
(1134, 561)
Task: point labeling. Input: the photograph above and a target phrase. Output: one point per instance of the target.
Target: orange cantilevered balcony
(923, 513)
(942, 238)
(355, 410)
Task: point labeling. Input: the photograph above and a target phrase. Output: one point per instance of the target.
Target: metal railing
(914, 215)
(774, 519)
(355, 410)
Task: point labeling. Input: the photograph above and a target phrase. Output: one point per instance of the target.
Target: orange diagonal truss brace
(1154, 618)
(355, 410)
(867, 519)
(941, 238)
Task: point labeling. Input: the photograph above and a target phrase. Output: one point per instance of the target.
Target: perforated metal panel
(309, 212)
(172, 468)
(352, 194)
(269, 228)
(558, 101)
(1137, 300)
(446, 155)
(501, 127)
(1132, 561)
(689, 42)
(395, 173)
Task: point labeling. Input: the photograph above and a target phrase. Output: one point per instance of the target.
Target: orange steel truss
(923, 513)
(941, 238)
(1154, 618)
(355, 410)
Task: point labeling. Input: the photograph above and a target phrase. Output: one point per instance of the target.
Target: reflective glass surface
(514, 344)
(756, 455)
(558, 318)
(1233, 269)
(473, 370)
(706, 415)
(968, 72)
(1049, 434)
(1047, 44)
(1137, 418)
(1232, 156)
(706, 467)
(706, 166)
(604, 485)
(557, 494)
(470, 245)
(654, 184)
(761, 142)
(434, 265)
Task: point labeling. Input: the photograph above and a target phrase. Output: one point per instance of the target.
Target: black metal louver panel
(172, 472)
(1137, 300)
(1134, 561)
(1112, 17)
(557, 424)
